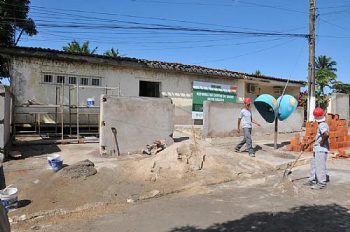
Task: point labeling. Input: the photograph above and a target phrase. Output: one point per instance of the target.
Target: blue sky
(275, 56)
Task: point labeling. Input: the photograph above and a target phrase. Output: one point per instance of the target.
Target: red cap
(247, 101)
(318, 112)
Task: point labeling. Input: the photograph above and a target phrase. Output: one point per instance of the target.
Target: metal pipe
(62, 112)
(70, 111)
(56, 111)
(275, 146)
(77, 109)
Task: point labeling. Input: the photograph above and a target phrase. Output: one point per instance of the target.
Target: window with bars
(48, 78)
(84, 81)
(95, 82)
(60, 79)
(72, 80)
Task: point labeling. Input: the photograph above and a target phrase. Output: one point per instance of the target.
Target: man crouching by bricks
(318, 172)
(245, 118)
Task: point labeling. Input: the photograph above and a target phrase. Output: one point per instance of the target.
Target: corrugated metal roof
(151, 64)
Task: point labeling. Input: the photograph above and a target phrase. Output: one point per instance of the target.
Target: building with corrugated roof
(46, 82)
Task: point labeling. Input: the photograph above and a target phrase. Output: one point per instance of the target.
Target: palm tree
(112, 53)
(325, 73)
(257, 73)
(75, 47)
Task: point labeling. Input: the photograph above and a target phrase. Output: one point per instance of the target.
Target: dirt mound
(173, 162)
(80, 169)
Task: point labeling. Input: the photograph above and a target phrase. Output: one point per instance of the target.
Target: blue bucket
(56, 164)
(51, 157)
(287, 105)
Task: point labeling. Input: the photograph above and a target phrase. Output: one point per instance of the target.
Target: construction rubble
(154, 148)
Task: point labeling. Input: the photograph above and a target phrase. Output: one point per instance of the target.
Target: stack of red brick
(338, 136)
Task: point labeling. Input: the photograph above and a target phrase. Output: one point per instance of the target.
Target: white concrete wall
(138, 121)
(220, 120)
(267, 88)
(28, 84)
(5, 109)
(339, 104)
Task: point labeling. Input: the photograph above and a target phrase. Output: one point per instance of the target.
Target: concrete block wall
(5, 120)
(220, 120)
(138, 121)
(339, 104)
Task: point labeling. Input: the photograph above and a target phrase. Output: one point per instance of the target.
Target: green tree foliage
(325, 73)
(75, 47)
(340, 87)
(14, 21)
(112, 53)
(257, 73)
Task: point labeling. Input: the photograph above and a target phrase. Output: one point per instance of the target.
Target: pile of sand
(173, 162)
(80, 169)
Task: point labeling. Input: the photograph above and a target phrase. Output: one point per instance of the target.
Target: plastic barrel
(287, 105)
(267, 107)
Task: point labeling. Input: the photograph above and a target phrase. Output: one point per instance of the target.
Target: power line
(59, 11)
(223, 5)
(336, 12)
(272, 7)
(336, 25)
(245, 54)
(63, 12)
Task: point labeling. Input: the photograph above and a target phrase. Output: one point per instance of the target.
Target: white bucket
(51, 157)
(9, 198)
(90, 102)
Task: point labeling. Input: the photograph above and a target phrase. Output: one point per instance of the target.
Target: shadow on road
(180, 139)
(23, 203)
(304, 218)
(279, 145)
(36, 150)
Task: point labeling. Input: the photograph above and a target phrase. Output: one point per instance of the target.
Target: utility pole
(311, 101)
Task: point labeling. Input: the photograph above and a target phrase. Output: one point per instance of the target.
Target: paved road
(254, 205)
(259, 204)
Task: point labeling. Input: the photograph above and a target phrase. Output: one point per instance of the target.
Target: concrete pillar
(5, 113)
(339, 104)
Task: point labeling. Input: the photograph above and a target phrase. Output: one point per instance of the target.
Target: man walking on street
(318, 172)
(245, 118)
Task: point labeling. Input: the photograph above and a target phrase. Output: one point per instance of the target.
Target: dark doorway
(149, 89)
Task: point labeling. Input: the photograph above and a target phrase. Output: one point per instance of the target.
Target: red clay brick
(334, 146)
(342, 122)
(332, 134)
(293, 142)
(340, 144)
(329, 116)
(297, 148)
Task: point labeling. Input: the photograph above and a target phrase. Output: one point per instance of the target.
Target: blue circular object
(267, 107)
(287, 105)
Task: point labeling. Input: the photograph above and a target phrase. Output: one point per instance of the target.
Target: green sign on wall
(206, 91)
